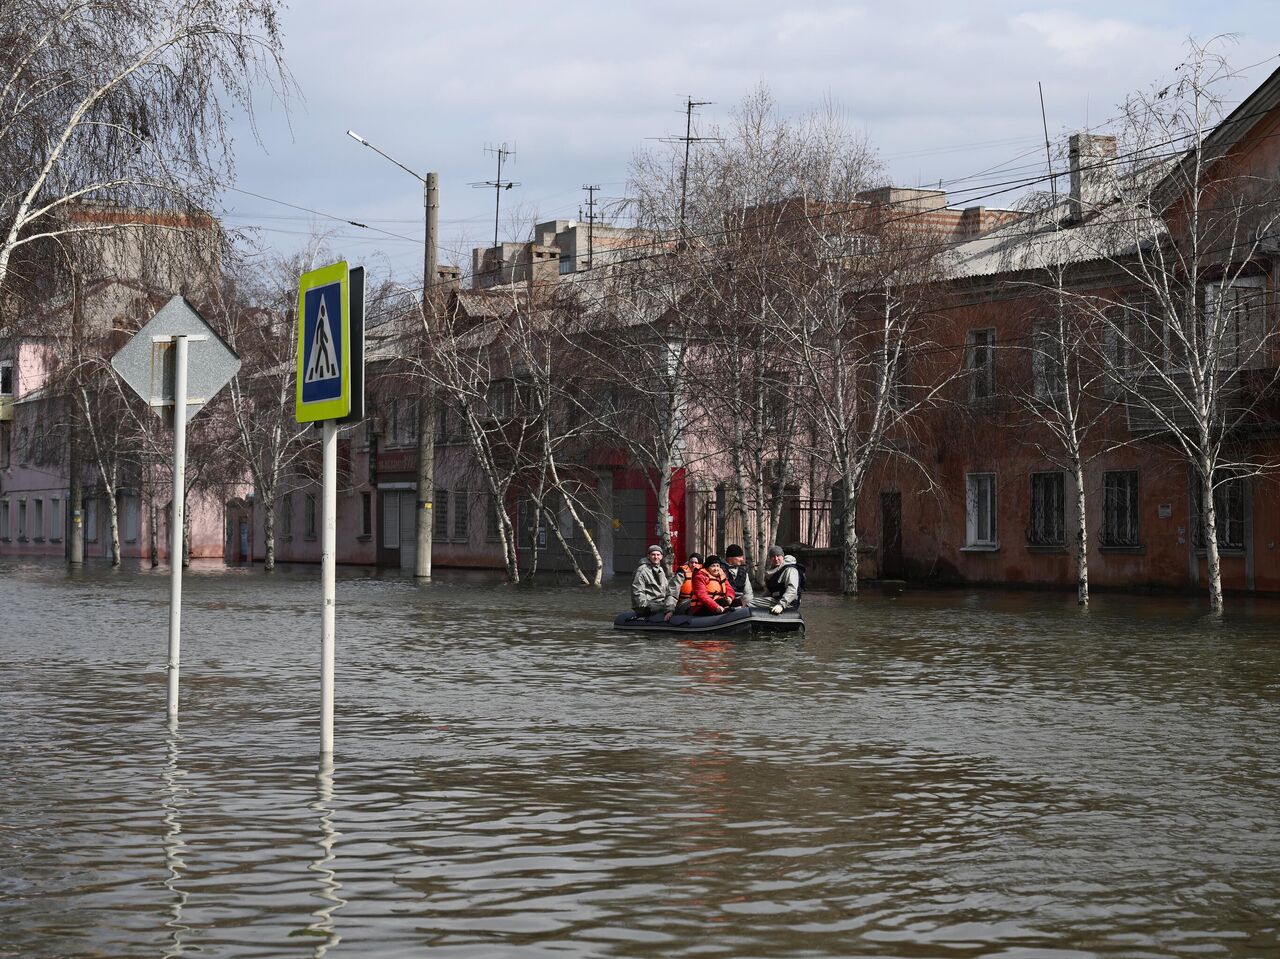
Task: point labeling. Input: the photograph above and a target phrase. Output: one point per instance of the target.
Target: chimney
(1091, 172)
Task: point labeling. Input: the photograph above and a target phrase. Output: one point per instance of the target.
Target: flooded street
(935, 774)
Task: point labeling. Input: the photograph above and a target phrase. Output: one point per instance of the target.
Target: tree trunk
(75, 499)
(269, 534)
(186, 534)
(153, 534)
(849, 558)
(113, 505)
(1209, 527)
(1082, 538)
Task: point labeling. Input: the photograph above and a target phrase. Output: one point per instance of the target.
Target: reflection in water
(174, 845)
(329, 885)
(954, 775)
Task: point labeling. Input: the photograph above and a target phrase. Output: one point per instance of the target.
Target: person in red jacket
(712, 593)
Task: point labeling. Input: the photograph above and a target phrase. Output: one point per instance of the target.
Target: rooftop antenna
(688, 140)
(497, 185)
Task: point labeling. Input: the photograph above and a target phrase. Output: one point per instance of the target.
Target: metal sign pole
(176, 525)
(328, 549)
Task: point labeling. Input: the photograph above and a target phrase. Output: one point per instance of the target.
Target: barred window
(1228, 506)
(461, 517)
(491, 525)
(440, 515)
(1120, 508)
(1048, 512)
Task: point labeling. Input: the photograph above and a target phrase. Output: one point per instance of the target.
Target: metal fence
(804, 522)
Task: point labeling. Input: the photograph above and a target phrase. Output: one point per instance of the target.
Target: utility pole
(424, 522)
(591, 189)
(426, 466)
(497, 185)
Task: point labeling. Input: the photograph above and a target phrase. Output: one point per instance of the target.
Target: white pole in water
(328, 547)
(176, 523)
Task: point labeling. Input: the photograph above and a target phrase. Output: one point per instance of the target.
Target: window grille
(440, 515)
(461, 508)
(1047, 364)
(1120, 508)
(1048, 510)
(309, 515)
(1235, 326)
(1228, 505)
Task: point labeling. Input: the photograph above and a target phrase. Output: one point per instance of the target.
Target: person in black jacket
(735, 564)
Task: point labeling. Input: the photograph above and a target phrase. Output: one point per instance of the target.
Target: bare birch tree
(1193, 221)
(121, 102)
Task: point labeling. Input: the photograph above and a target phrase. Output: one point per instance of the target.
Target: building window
(440, 515)
(461, 517)
(4, 519)
(1228, 506)
(132, 518)
(22, 520)
(1120, 508)
(6, 378)
(37, 521)
(286, 516)
(1048, 510)
(1235, 324)
(500, 399)
(6, 435)
(981, 510)
(366, 514)
(56, 522)
(492, 532)
(982, 363)
(1047, 366)
(91, 521)
(309, 515)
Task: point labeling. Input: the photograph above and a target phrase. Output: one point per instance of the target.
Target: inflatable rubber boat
(734, 621)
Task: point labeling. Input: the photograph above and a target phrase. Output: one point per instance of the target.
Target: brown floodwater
(936, 774)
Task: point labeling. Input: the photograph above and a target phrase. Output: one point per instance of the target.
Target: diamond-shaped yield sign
(146, 361)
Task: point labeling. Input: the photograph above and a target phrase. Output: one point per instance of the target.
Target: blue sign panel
(322, 343)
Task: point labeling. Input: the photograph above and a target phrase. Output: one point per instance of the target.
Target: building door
(891, 535)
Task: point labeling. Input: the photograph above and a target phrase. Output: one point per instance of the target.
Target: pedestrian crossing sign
(324, 389)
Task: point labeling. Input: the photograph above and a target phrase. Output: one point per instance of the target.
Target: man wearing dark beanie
(735, 564)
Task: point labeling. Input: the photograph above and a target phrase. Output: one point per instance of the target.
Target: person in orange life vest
(712, 593)
(682, 584)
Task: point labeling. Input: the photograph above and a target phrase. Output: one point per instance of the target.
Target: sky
(943, 91)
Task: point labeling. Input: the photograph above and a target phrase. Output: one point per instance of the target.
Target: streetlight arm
(359, 139)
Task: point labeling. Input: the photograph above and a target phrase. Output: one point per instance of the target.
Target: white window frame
(285, 512)
(22, 519)
(37, 520)
(309, 509)
(979, 487)
(57, 523)
(440, 515)
(13, 378)
(4, 519)
(366, 514)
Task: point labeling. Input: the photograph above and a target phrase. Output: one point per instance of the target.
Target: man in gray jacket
(649, 586)
(783, 583)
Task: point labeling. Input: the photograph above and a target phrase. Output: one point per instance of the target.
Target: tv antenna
(497, 185)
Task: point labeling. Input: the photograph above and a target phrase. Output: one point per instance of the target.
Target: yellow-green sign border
(340, 406)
